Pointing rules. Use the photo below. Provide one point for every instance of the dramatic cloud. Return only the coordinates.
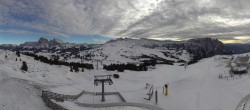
(228, 20)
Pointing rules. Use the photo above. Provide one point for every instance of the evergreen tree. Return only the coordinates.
(36, 57)
(24, 66)
(71, 69)
(76, 68)
(18, 53)
(82, 69)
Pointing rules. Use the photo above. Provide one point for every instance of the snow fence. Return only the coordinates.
(47, 96)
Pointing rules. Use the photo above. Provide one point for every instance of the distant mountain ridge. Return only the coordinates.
(237, 48)
(125, 50)
(208, 45)
(45, 44)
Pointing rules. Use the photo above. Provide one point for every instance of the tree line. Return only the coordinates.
(122, 67)
(55, 61)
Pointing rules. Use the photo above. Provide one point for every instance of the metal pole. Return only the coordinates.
(97, 66)
(103, 98)
(163, 90)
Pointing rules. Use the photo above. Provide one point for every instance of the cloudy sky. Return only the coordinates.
(96, 21)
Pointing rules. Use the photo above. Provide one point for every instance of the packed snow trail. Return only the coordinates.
(242, 103)
(207, 85)
(203, 81)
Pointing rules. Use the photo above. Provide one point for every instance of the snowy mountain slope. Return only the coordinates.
(138, 50)
(15, 93)
(196, 88)
(126, 50)
(123, 51)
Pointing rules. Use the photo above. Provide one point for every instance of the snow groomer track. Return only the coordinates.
(242, 104)
(47, 96)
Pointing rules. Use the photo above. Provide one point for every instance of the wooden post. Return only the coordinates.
(185, 65)
(42, 94)
(156, 97)
(166, 89)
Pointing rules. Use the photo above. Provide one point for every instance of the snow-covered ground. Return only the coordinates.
(196, 88)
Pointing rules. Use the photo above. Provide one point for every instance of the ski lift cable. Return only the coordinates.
(115, 87)
(75, 87)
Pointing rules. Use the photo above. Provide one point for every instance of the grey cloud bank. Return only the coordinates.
(228, 20)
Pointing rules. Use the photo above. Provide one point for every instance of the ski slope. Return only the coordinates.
(196, 88)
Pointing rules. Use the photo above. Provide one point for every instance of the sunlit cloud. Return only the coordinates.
(232, 41)
(238, 39)
(242, 37)
(229, 21)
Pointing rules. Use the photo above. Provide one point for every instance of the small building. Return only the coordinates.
(243, 61)
(240, 65)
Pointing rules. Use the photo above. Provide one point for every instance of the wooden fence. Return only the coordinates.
(47, 96)
(112, 93)
(52, 104)
(150, 93)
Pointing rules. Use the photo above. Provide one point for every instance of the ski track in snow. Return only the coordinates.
(203, 80)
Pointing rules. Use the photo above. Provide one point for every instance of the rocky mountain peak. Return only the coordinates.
(57, 42)
(209, 44)
(43, 42)
(42, 39)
